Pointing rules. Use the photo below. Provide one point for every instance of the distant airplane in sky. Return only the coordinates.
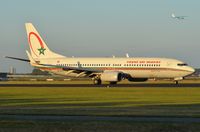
(112, 69)
(178, 17)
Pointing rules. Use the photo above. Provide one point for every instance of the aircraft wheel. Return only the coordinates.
(97, 81)
(176, 82)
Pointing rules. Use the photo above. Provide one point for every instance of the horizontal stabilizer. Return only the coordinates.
(15, 58)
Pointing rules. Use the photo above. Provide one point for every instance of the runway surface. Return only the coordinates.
(105, 85)
(99, 118)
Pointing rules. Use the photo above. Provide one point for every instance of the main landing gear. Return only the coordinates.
(97, 81)
(176, 82)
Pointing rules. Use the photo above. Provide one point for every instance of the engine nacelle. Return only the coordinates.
(137, 79)
(111, 76)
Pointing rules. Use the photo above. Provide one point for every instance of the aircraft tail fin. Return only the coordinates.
(37, 45)
(173, 15)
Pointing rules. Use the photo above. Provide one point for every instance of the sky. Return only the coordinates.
(101, 28)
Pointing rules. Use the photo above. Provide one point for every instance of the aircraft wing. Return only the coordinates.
(79, 70)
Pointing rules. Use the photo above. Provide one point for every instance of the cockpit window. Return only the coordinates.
(182, 64)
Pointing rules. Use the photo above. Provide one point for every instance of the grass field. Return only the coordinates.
(101, 101)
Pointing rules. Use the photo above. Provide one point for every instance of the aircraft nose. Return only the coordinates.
(192, 70)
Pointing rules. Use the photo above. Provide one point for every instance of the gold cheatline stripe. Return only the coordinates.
(103, 68)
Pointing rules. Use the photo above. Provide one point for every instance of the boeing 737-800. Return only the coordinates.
(110, 69)
(178, 17)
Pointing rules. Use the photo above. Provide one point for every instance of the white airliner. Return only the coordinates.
(110, 69)
(178, 17)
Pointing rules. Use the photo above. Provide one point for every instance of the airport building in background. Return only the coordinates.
(12, 70)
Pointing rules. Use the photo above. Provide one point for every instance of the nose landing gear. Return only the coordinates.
(176, 82)
(177, 79)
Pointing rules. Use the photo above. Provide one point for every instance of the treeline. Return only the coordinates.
(39, 72)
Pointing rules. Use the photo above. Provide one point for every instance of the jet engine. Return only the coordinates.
(111, 76)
